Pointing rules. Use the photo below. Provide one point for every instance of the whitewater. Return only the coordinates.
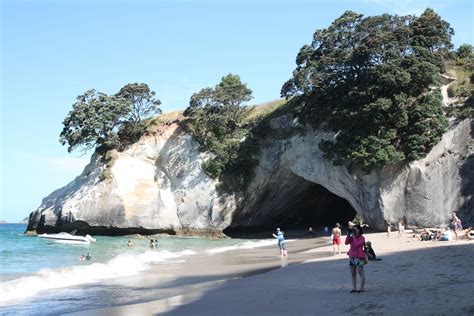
(31, 266)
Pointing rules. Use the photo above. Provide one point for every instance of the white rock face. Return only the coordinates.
(424, 192)
(157, 185)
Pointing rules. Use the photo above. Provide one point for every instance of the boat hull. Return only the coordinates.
(65, 238)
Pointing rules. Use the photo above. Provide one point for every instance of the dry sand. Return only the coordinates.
(414, 277)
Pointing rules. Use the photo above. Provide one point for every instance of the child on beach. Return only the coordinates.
(356, 256)
(336, 238)
(281, 241)
(446, 235)
(369, 251)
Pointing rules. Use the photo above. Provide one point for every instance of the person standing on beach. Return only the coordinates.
(336, 238)
(401, 228)
(389, 229)
(281, 241)
(456, 225)
(356, 257)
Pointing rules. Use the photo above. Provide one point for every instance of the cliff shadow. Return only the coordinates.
(403, 282)
(293, 204)
(466, 172)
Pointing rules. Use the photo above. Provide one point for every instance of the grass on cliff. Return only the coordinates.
(255, 112)
(463, 88)
(163, 119)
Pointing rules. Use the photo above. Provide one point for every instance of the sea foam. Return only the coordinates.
(120, 266)
(244, 245)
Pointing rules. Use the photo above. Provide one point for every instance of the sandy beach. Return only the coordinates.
(414, 277)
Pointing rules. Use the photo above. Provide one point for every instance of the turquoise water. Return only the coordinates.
(29, 265)
(22, 254)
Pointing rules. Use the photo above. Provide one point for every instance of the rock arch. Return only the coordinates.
(423, 192)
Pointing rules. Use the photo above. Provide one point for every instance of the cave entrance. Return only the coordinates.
(294, 203)
(315, 206)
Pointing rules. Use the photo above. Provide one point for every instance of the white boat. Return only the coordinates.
(67, 238)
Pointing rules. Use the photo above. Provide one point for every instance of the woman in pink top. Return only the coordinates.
(356, 256)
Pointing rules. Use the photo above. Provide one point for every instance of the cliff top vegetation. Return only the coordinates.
(372, 81)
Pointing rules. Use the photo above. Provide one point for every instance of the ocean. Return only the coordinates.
(37, 274)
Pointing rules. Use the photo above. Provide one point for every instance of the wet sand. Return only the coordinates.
(414, 277)
(176, 283)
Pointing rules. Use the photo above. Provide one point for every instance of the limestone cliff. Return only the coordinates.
(294, 183)
(157, 185)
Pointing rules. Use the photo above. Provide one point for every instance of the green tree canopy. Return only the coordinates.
(142, 100)
(217, 112)
(93, 121)
(369, 79)
(465, 51)
(214, 117)
(108, 121)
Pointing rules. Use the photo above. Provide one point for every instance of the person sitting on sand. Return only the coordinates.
(447, 235)
(356, 256)
(336, 238)
(369, 251)
(469, 233)
(281, 240)
(426, 235)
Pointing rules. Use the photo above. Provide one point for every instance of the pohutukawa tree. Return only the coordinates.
(142, 100)
(371, 80)
(214, 117)
(102, 121)
(217, 112)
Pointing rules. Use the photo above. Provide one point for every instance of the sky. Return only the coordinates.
(52, 51)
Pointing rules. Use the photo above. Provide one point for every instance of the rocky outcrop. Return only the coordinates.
(424, 192)
(158, 186)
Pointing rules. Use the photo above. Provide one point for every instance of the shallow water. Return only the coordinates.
(41, 275)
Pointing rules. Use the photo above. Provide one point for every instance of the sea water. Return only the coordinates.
(30, 265)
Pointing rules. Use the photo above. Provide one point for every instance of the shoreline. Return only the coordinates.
(414, 276)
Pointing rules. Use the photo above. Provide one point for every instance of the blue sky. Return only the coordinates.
(52, 51)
